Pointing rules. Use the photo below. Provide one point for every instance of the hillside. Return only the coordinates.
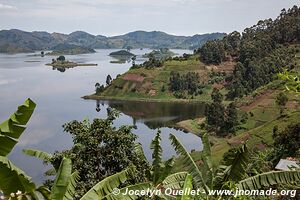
(242, 68)
(153, 84)
(31, 41)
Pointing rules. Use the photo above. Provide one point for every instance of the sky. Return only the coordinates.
(116, 17)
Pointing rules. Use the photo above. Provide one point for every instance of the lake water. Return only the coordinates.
(57, 95)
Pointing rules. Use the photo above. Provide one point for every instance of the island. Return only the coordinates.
(161, 54)
(121, 53)
(61, 62)
(122, 56)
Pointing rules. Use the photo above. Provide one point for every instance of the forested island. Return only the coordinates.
(61, 62)
(248, 84)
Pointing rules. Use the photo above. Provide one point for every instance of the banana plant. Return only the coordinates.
(234, 170)
(12, 179)
(15, 183)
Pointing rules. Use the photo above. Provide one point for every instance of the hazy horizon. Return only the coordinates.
(118, 17)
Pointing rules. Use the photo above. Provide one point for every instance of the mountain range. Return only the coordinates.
(15, 41)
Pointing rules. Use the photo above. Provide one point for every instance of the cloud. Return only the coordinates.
(4, 7)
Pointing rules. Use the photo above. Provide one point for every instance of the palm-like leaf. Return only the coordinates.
(175, 181)
(234, 168)
(122, 192)
(188, 186)
(38, 154)
(72, 186)
(62, 181)
(207, 167)
(139, 151)
(157, 157)
(268, 179)
(189, 163)
(106, 186)
(12, 128)
(12, 178)
(166, 169)
(45, 192)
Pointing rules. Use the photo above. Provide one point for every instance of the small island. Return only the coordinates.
(62, 62)
(122, 56)
(121, 53)
(161, 54)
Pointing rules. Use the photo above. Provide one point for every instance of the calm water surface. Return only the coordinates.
(58, 101)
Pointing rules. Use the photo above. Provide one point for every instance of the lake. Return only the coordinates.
(58, 97)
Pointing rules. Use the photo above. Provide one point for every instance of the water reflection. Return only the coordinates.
(58, 101)
(121, 59)
(156, 114)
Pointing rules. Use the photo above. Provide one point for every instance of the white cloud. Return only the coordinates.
(7, 7)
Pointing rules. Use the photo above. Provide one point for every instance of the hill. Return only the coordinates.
(70, 49)
(242, 67)
(22, 41)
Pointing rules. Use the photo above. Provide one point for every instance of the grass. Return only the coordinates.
(151, 88)
(258, 129)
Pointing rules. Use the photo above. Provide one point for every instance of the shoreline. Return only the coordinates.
(107, 98)
(71, 65)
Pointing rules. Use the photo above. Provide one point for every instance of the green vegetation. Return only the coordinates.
(154, 81)
(121, 53)
(161, 54)
(221, 120)
(61, 63)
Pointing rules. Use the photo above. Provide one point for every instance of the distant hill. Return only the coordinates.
(70, 49)
(12, 41)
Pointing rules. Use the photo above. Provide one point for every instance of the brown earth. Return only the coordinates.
(133, 77)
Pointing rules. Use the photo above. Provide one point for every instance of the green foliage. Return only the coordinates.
(261, 52)
(187, 83)
(12, 128)
(152, 62)
(62, 180)
(292, 82)
(269, 179)
(188, 185)
(61, 58)
(233, 166)
(190, 164)
(156, 156)
(38, 154)
(212, 52)
(220, 119)
(13, 179)
(287, 142)
(101, 150)
(105, 188)
(281, 100)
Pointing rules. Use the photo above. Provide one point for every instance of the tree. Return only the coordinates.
(61, 58)
(212, 52)
(99, 88)
(108, 80)
(287, 142)
(133, 60)
(101, 150)
(216, 96)
(281, 100)
(214, 112)
(231, 118)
